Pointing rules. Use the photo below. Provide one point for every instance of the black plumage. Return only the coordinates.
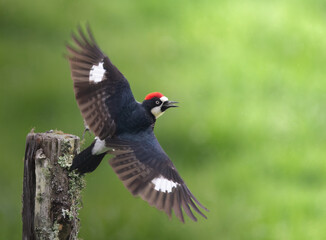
(86, 161)
(125, 127)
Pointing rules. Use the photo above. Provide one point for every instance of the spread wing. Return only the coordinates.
(146, 170)
(100, 88)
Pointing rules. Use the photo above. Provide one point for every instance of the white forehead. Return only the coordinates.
(164, 99)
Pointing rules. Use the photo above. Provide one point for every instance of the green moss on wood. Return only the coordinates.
(76, 183)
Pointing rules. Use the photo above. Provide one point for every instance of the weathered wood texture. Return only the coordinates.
(51, 193)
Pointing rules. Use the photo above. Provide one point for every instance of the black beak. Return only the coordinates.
(168, 104)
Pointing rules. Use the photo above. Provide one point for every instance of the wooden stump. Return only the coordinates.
(51, 193)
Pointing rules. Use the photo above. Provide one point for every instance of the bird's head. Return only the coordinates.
(157, 103)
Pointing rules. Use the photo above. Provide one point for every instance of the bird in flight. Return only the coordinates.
(124, 128)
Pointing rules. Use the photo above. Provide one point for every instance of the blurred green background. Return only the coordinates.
(249, 138)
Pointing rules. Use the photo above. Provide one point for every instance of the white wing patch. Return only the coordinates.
(164, 185)
(96, 73)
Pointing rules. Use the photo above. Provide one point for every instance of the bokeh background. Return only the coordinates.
(249, 138)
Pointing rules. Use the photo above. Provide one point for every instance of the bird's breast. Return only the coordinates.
(133, 120)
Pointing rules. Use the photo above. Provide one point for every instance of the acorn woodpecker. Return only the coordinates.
(124, 128)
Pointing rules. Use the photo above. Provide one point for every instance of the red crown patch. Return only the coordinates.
(154, 94)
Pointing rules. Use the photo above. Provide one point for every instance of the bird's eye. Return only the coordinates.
(157, 102)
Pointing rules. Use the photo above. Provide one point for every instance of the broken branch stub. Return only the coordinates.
(51, 193)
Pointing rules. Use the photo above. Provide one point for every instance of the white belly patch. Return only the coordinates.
(99, 147)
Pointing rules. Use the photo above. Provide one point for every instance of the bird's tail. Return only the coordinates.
(85, 161)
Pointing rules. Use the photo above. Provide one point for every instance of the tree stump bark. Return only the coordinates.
(51, 193)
